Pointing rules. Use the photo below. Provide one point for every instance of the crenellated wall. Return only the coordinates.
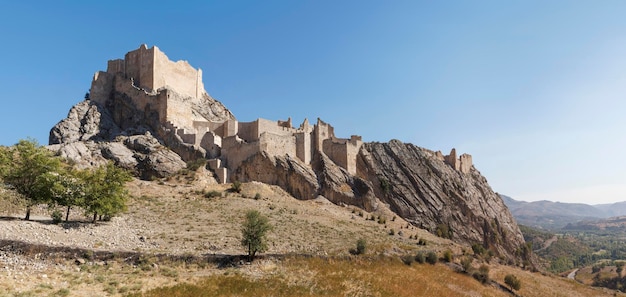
(462, 164)
(155, 84)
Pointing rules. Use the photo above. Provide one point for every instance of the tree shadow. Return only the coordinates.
(71, 224)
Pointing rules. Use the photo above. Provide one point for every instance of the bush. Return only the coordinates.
(447, 256)
(236, 186)
(57, 217)
(421, 241)
(513, 282)
(361, 246)
(213, 194)
(478, 249)
(257, 196)
(195, 164)
(392, 232)
(431, 258)
(407, 259)
(382, 220)
(466, 263)
(482, 275)
(444, 231)
(420, 258)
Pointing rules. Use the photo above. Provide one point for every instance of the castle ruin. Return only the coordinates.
(157, 85)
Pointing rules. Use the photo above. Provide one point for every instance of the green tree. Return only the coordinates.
(254, 231)
(105, 194)
(513, 282)
(28, 162)
(65, 189)
(4, 161)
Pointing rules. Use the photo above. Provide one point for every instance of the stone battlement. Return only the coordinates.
(173, 91)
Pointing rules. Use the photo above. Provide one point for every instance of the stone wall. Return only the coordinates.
(151, 69)
(343, 151)
(465, 161)
(278, 145)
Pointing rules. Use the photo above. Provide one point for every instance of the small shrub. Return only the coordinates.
(482, 275)
(236, 186)
(466, 263)
(360, 213)
(361, 246)
(447, 256)
(382, 220)
(444, 231)
(61, 293)
(391, 232)
(212, 194)
(513, 282)
(421, 241)
(478, 249)
(431, 258)
(257, 196)
(393, 219)
(407, 259)
(385, 185)
(420, 258)
(57, 217)
(195, 164)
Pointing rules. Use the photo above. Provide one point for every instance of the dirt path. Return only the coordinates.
(572, 275)
(548, 243)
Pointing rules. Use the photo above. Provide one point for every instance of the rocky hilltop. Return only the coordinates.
(153, 116)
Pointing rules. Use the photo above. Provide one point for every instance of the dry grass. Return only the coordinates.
(347, 277)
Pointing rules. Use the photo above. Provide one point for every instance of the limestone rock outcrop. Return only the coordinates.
(431, 194)
(286, 172)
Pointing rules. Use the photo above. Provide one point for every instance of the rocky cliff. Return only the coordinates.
(422, 188)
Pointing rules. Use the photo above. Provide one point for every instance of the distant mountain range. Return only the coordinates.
(556, 215)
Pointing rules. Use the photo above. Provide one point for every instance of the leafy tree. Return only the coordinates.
(28, 162)
(513, 282)
(4, 161)
(254, 231)
(66, 189)
(105, 194)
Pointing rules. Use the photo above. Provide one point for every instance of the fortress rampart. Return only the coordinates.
(155, 84)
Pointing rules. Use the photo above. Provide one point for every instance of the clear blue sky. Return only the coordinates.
(534, 90)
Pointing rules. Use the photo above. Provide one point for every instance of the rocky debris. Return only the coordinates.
(429, 193)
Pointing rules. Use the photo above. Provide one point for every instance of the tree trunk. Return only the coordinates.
(67, 214)
(27, 213)
(95, 216)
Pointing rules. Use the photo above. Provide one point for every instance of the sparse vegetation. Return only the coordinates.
(444, 231)
(420, 257)
(482, 275)
(235, 187)
(431, 258)
(447, 256)
(212, 194)
(361, 247)
(513, 282)
(196, 164)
